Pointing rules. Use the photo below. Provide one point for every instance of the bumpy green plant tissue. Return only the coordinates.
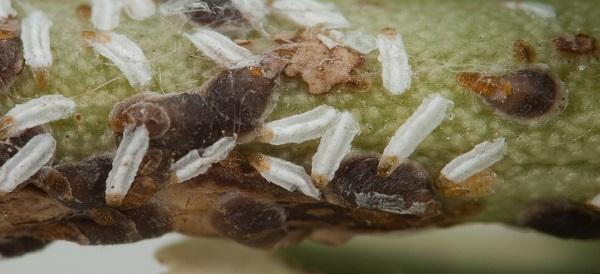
(557, 159)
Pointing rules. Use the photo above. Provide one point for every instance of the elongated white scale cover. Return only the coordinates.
(177, 7)
(481, 157)
(27, 162)
(299, 128)
(126, 163)
(285, 174)
(35, 112)
(126, 55)
(395, 69)
(334, 145)
(35, 34)
(193, 165)
(427, 118)
(221, 49)
(254, 11)
(327, 41)
(140, 9)
(356, 40)
(6, 9)
(539, 9)
(106, 14)
(311, 13)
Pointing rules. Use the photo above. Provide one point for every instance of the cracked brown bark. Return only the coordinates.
(233, 202)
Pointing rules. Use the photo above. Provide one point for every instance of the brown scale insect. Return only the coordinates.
(233, 103)
(524, 52)
(526, 95)
(19, 246)
(248, 221)
(407, 191)
(216, 13)
(11, 57)
(78, 185)
(563, 219)
(581, 44)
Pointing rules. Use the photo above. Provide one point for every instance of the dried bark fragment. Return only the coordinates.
(407, 191)
(320, 67)
(523, 52)
(579, 45)
(103, 226)
(563, 219)
(528, 95)
(11, 57)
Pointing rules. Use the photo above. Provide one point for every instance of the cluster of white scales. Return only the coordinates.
(335, 129)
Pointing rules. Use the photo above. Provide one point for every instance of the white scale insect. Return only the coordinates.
(106, 14)
(336, 130)
(427, 118)
(356, 40)
(140, 9)
(334, 145)
(254, 11)
(221, 49)
(6, 9)
(395, 69)
(27, 162)
(35, 35)
(481, 157)
(126, 163)
(40, 149)
(311, 13)
(284, 174)
(35, 112)
(193, 164)
(541, 10)
(299, 128)
(126, 55)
